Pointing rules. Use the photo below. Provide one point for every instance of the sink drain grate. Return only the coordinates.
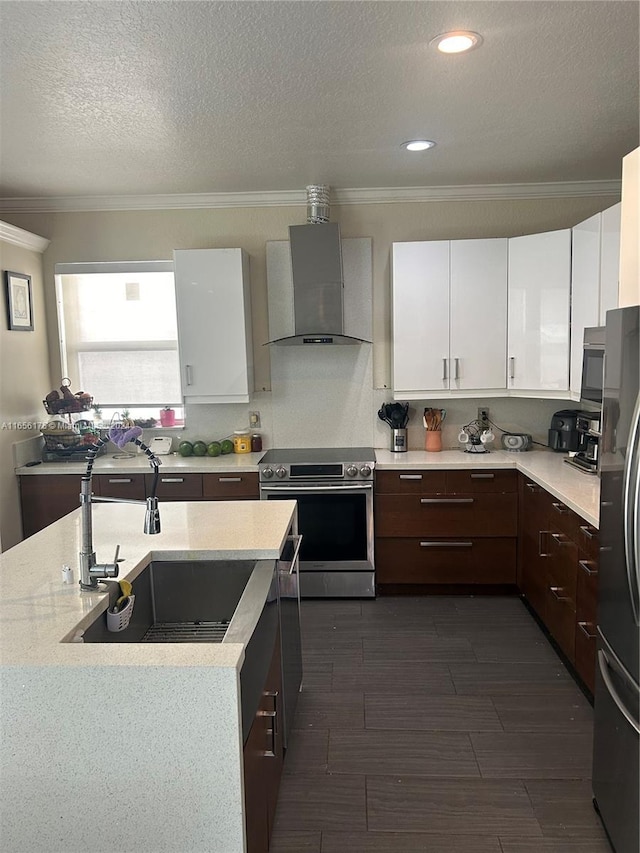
(186, 632)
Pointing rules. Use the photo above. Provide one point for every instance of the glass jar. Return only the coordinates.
(241, 441)
(256, 442)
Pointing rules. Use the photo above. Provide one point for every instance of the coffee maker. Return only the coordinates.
(563, 431)
(588, 426)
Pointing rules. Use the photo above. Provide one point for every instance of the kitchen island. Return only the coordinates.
(122, 746)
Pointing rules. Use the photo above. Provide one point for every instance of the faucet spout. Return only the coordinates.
(90, 570)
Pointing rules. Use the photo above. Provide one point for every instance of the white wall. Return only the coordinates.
(24, 378)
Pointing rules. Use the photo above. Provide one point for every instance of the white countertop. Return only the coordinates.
(38, 610)
(578, 490)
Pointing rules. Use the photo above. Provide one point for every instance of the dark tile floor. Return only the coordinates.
(435, 725)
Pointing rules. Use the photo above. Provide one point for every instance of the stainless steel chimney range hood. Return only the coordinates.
(317, 315)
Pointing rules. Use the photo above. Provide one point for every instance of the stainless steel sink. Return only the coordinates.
(179, 602)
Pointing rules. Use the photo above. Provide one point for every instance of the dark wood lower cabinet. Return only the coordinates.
(45, 499)
(263, 760)
(446, 561)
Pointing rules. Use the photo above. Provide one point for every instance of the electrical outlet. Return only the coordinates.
(254, 419)
(483, 417)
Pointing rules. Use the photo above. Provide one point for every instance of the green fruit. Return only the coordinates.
(214, 448)
(185, 448)
(227, 446)
(199, 448)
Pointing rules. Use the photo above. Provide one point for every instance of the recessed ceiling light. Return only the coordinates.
(457, 41)
(418, 144)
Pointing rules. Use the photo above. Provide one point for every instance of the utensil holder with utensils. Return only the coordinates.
(396, 415)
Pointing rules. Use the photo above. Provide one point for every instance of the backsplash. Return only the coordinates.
(323, 397)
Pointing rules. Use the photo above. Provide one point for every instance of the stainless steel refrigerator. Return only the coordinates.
(616, 766)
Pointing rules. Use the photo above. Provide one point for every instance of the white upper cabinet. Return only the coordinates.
(420, 316)
(449, 317)
(585, 291)
(595, 263)
(609, 261)
(478, 339)
(214, 325)
(538, 318)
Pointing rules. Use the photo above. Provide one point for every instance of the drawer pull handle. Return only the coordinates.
(541, 551)
(556, 590)
(584, 565)
(583, 628)
(482, 476)
(273, 716)
(446, 544)
(172, 479)
(561, 508)
(589, 532)
(533, 487)
(560, 539)
(121, 480)
(229, 479)
(410, 476)
(447, 500)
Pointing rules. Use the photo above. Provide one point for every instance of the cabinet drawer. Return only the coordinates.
(585, 653)
(410, 482)
(586, 590)
(230, 486)
(447, 561)
(473, 482)
(120, 486)
(565, 519)
(562, 567)
(443, 516)
(561, 621)
(589, 540)
(177, 487)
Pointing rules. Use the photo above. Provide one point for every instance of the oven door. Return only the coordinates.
(336, 524)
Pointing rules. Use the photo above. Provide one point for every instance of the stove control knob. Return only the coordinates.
(366, 470)
(267, 472)
(351, 470)
(281, 472)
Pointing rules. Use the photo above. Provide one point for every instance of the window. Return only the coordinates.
(119, 335)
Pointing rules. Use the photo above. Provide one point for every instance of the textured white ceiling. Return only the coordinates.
(203, 97)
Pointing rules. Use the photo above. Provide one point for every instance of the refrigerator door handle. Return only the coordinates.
(603, 663)
(631, 492)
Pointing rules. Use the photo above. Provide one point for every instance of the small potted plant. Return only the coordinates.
(167, 417)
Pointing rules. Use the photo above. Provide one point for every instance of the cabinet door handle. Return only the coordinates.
(556, 590)
(120, 480)
(447, 500)
(583, 628)
(188, 373)
(560, 539)
(584, 565)
(229, 479)
(446, 544)
(589, 532)
(561, 508)
(410, 476)
(456, 362)
(444, 369)
(172, 479)
(482, 476)
(512, 368)
(541, 552)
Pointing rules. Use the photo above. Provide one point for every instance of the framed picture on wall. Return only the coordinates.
(19, 302)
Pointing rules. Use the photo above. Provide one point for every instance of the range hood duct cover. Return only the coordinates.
(318, 282)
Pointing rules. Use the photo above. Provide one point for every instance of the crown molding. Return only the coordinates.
(22, 238)
(281, 198)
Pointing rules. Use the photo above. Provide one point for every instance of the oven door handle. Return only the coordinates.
(359, 487)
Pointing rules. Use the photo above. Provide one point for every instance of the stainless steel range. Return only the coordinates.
(334, 491)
